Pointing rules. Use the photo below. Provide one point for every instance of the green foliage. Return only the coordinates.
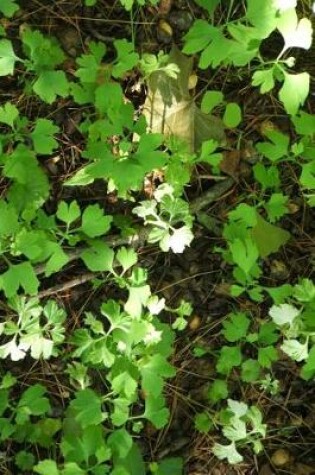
(114, 357)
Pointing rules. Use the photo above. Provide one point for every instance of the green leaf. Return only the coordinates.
(198, 37)
(294, 91)
(304, 123)
(7, 58)
(126, 258)
(264, 79)
(209, 5)
(9, 224)
(277, 147)
(230, 357)
(232, 115)
(8, 8)
(68, 213)
(126, 59)
(108, 97)
(156, 412)
(304, 291)
(262, 14)
(210, 100)
(46, 467)
(32, 403)
(267, 237)
(203, 422)
(90, 63)
(308, 370)
(133, 462)
(244, 253)
(79, 446)
(56, 261)
(120, 443)
(138, 297)
(94, 223)
(227, 451)
(99, 257)
(266, 356)
(296, 33)
(153, 373)
(235, 328)
(19, 275)
(24, 460)
(43, 136)
(268, 177)
(8, 114)
(87, 406)
(250, 371)
(218, 390)
(276, 206)
(72, 468)
(51, 84)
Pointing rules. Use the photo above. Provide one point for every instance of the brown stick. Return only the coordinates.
(207, 198)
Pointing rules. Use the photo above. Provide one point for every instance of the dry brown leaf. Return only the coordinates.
(170, 109)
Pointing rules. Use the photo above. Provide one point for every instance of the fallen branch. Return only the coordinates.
(216, 192)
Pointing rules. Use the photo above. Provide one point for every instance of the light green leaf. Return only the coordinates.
(126, 59)
(276, 206)
(244, 254)
(296, 350)
(230, 356)
(250, 371)
(68, 213)
(88, 408)
(264, 79)
(228, 452)
(50, 84)
(138, 297)
(203, 422)
(235, 328)
(94, 222)
(296, 33)
(8, 114)
(120, 442)
(19, 275)
(46, 467)
(126, 258)
(232, 115)
(99, 257)
(308, 370)
(210, 100)
(277, 147)
(7, 58)
(156, 412)
(284, 314)
(198, 37)
(267, 355)
(8, 7)
(218, 390)
(43, 136)
(294, 91)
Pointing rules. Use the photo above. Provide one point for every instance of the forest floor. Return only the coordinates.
(200, 275)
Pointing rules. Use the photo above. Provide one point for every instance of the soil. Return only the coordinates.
(199, 275)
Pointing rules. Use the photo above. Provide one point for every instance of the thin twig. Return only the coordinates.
(207, 198)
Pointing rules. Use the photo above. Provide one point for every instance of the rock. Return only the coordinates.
(281, 457)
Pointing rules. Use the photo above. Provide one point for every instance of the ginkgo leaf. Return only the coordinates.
(296, 33)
